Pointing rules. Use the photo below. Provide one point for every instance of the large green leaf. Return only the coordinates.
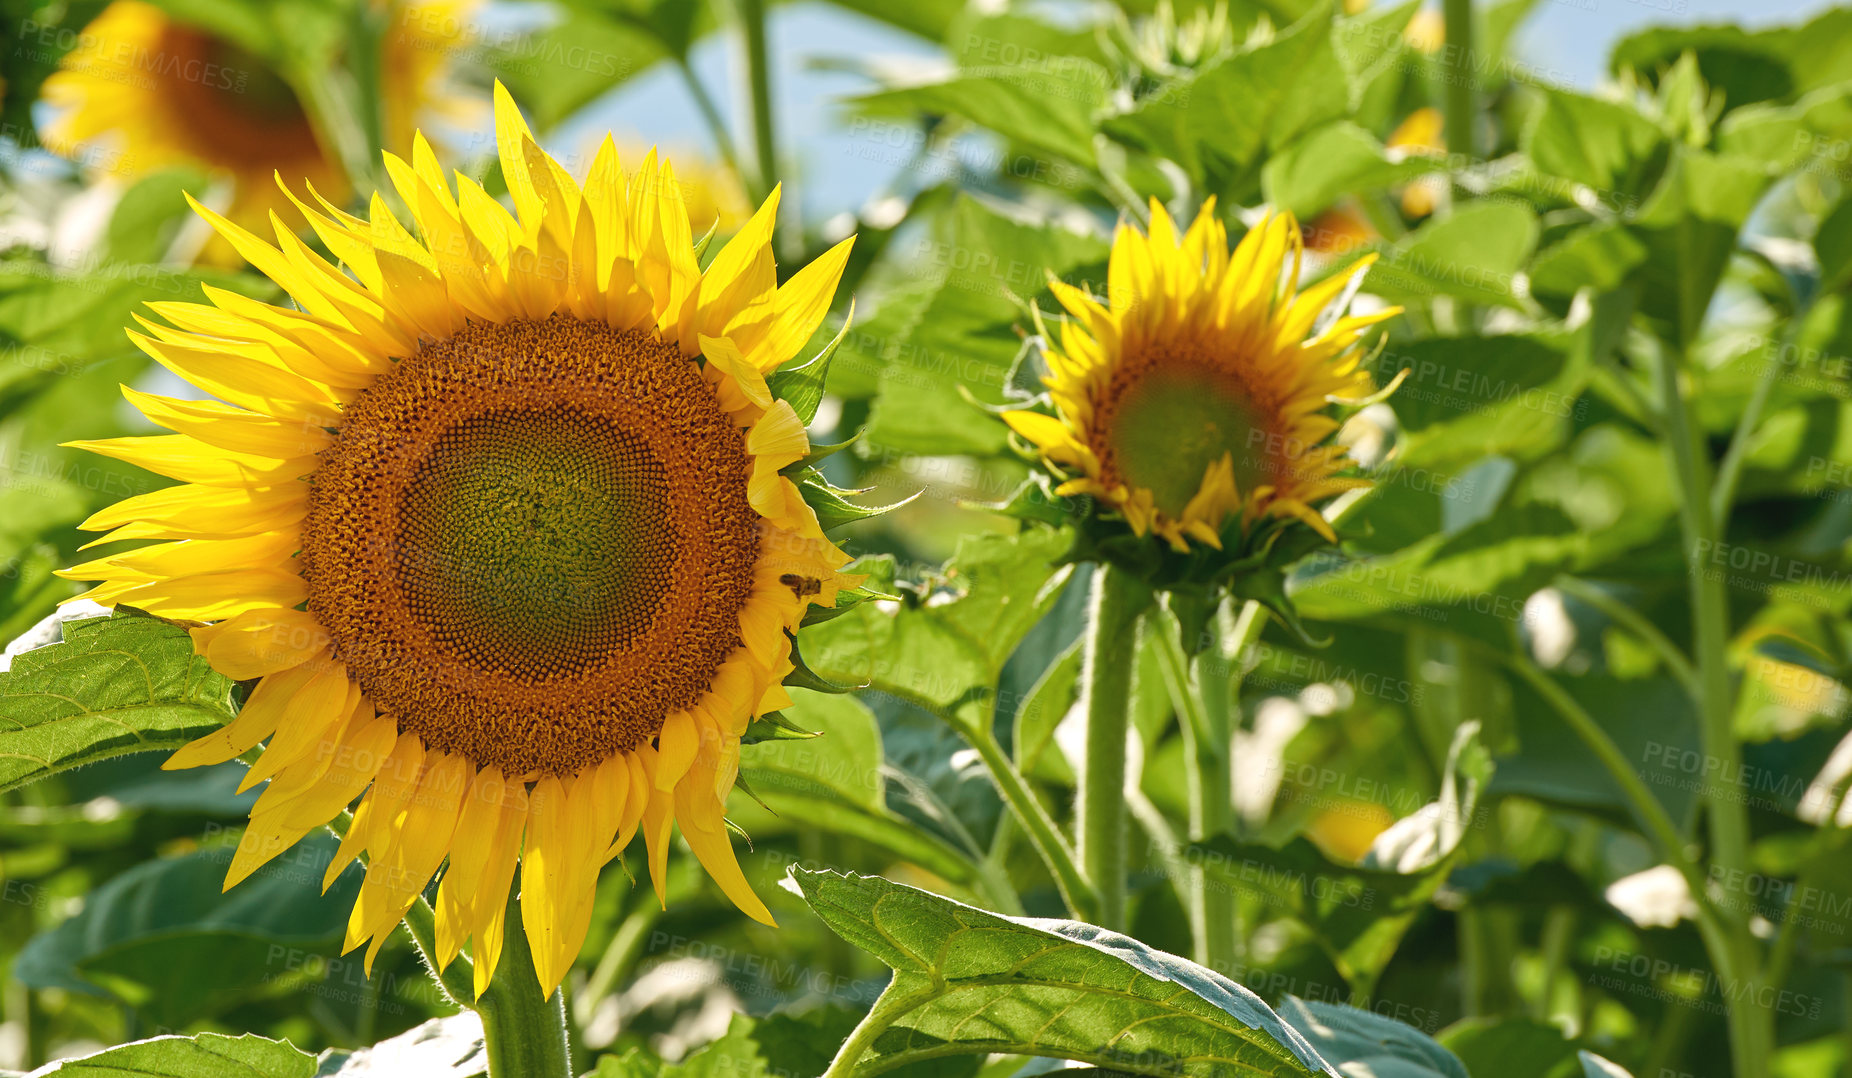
(1475, 253)
(1359, 914)
(121, 684)
(833, 782)
(1511, 1047)
(558, 69)
(1473, 582)
(1365, 1044)
(167, 939)
(946, 653)
(1220, 124)
(1689, 225)
(967, 981)
(1605, 145)
(203, 1055)
(1467, 397)
(1333, 161)
(984, 268)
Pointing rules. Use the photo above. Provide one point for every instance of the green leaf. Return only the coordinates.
(1510, 1047)
(203, 1055)
(166, 939)
(1048, 702)
(1220, 124)
(946, 654)
(1467, 397)
(555, 71)
(1605, 145)
(122, 684)
(1357, 915)
(1335, 160)
(802, 387)
(832, 509)
(149, 214)
(1597, 256)
(1776, 64)
(833, 782)
(1689, 224)
(1833, 243)
(956, 336)
(967, 981)
(1594, 1066)
(1366, 1043)
(1809, 134)
(843, 760)
(1475, 253)
(1473, 582)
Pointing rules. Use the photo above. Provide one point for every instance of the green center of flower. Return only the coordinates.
(532, 540)
(1177, 419)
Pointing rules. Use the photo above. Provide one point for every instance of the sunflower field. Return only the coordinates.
(945, 539)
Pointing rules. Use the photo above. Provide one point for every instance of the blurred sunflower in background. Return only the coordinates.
(1195, 397)
(169, 94)
(711, 190)
(500, 524)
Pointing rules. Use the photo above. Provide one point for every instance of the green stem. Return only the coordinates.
(1723, 492)
(1458, 17)
(1734, 951)
(1730, 947)
(716, 124)
(1111, 647)
(1636, 623)
(1729, 822)
(456, 978)
(524, 1034)
(1209, 744)
(620, 956)
(759, 85)
(1647, 811)
(887, 1008)
(1076, 893)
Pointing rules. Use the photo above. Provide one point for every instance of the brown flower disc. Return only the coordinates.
(531, 542)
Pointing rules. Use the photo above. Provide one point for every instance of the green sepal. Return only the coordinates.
(832, 509)
(773, 726)
(701, 245)
(818, 454)
(1029, 371)
(740, 784)
(880, 572)
(802, 387)
(803, 677)
(1035, 500)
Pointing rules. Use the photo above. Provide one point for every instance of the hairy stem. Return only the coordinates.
(524, 1033)
(1111, 647)
(1076, 893)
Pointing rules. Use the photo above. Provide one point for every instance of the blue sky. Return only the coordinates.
(1569, 38)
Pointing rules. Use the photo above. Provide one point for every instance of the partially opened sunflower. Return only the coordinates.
(1194, 401)
(499, 526)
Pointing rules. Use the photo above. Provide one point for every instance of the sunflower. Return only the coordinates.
(1194, 396)
(174, 94)
(499, 525)
(1420, 134)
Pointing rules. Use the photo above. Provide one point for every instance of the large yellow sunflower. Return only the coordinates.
(169, 93)
(498, 522)
(1198, 391)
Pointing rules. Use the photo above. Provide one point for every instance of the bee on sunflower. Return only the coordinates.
(506, 523)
